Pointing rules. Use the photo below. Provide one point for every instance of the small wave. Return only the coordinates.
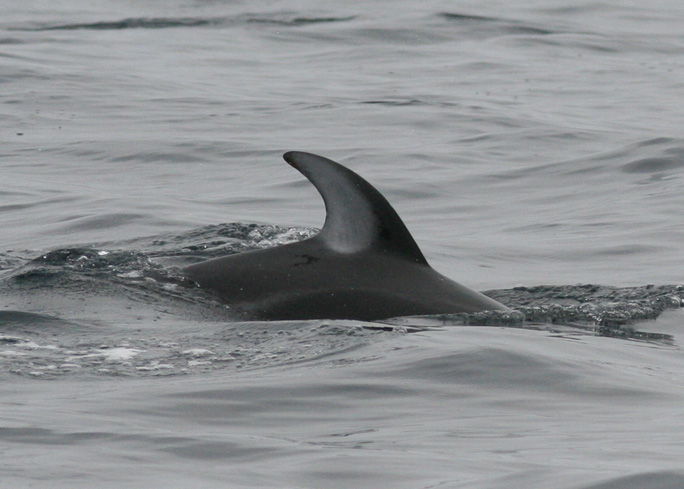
(132, 23)
(653, 160)
(230, 238)
(655, 165)
(594, 309)
(84, 259)
(170, 22)
(9, 41)
(496, 27)
(395, 103)
(292, 21)
(9, 319)
(8, 262)
(214, 347)
(651, 480)
(604, 310)
(466, 17)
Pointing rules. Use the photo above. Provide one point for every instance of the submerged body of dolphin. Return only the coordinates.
(363, 264)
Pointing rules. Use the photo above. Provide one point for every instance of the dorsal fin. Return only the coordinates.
(358, 217)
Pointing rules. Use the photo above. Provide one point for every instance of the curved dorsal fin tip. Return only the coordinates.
(291, 157)
(358, 217)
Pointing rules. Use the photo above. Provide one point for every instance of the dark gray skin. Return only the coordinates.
(363, 264)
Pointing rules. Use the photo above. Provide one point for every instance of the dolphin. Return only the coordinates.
(363, 264)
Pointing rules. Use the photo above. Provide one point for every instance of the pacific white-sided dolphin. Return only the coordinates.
(363, 264)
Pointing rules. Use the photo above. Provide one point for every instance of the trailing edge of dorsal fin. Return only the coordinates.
(358, 217)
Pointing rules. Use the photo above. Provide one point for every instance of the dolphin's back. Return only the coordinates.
(364, 264)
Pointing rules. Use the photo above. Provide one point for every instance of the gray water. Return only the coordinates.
(534, 150)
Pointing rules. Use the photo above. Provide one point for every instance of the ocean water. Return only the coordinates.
(535, 151)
